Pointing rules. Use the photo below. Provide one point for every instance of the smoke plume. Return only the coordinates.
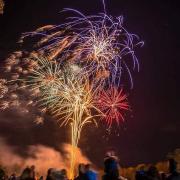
(41, 156)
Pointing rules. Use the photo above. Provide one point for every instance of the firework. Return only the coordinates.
(45, 78)
(112, 103)
(74, 105)
(102, 46)
(15, 91)
(52, 43)
(73, 94)
(99, 44)
(74, 73)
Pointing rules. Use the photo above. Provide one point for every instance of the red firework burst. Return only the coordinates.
(113, 103)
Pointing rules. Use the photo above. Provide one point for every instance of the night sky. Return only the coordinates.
(153, 127)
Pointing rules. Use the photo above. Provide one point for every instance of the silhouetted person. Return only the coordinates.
(6, 177)
(141, 175)
(152, 173)
(163, 176)
(90, 174)
(2, 173)
(81, 172)
(111, 168)
(13, 177)
(32, 172)
(26, 174)
(64, 174)
(41, 178)
(173, 174)
(49, 174)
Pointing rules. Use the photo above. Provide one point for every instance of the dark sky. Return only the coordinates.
(154, 128)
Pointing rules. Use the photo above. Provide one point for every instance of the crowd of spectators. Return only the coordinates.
(85, 172)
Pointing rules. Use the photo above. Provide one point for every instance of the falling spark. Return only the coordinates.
(39, 120)
(4, 105)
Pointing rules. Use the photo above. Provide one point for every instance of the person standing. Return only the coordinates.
(111, 167)
(90, 174)
(173, 174)
(81, 171)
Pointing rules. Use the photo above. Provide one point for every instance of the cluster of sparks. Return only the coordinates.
(98, 44)
(14, 92)
(75, 72)
(112, 102)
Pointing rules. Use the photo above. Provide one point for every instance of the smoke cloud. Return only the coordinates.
(41, 156)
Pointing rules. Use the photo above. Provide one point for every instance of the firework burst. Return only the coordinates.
(99, 44)
(45, 76)
(44, 80)
(112, 103)
(73, 96)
